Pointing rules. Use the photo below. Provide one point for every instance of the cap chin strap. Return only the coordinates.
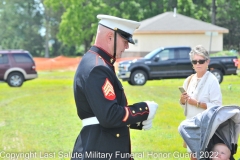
(115, 43)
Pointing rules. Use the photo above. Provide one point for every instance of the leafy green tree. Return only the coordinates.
(51, 22)
(20, 25)
(78, 25)
(80, 16)
(228, 16)
(71, 24)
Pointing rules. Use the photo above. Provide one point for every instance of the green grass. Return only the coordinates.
(39, 119)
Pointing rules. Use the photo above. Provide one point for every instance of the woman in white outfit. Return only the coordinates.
(202, 89)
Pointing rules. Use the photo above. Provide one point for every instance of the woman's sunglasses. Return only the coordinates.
(200, 61)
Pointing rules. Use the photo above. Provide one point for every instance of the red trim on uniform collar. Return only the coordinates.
(106, 52)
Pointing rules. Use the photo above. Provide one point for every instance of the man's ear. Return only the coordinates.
(109, 37)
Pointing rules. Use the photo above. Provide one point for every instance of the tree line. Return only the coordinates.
(48, 28)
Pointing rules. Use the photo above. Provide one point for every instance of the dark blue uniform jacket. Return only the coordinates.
(99, 93)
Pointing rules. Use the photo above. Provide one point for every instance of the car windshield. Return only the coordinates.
(153, 53)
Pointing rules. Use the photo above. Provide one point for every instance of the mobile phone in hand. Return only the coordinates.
(182, 90)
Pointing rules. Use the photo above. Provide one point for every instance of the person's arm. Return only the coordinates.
(196, 103)
(101, 95)
(215, 94)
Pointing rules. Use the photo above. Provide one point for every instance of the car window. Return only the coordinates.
(153, 53)
(166, 55)
(3, 59)
(184, 53)
(21, 58)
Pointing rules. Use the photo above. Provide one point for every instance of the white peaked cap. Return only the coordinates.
(120, 25)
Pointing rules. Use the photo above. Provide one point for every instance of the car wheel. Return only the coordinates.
(15, 79)
(138, 77)
(129, 82)
(218, 74)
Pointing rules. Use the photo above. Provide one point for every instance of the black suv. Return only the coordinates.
(16, 66)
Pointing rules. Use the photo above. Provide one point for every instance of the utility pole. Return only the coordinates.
(46, 39)
(214, 11)
(47, 27)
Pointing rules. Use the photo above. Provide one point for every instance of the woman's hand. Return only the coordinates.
(192, 101)
(184, 97)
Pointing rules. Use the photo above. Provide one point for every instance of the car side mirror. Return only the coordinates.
(156, 59)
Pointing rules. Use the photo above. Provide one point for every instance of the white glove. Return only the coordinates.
(152, 109)
(147, 124)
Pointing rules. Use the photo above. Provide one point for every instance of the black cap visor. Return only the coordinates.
(125, 35)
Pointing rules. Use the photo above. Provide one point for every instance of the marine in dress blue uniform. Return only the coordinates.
(102, 105)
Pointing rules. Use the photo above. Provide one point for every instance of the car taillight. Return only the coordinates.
(33, 67)
(236, 62)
